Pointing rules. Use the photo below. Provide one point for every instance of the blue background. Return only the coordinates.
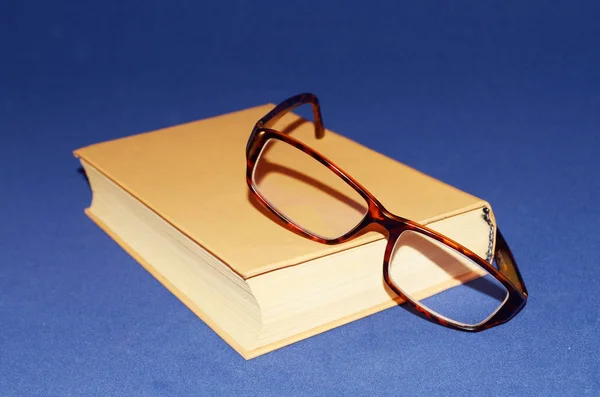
(501, 100)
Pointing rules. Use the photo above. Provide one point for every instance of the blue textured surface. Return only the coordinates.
(501, 100)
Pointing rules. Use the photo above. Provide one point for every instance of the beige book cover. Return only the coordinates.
(192, 178)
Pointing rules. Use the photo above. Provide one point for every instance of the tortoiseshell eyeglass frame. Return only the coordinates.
(507, 272)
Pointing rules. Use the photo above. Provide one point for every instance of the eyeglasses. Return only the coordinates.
(320, 201)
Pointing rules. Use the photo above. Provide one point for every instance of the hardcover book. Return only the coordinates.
(177, 201)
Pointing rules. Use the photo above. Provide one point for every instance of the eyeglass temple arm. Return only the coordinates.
(507, 265)
(290, 104)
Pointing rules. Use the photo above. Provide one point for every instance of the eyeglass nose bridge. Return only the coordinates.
(384, 218)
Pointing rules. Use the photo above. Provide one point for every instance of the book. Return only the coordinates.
(177, 201)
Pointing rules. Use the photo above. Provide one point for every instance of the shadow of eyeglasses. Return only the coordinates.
(266, 168)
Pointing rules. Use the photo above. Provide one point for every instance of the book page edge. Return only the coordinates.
(167, 284)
